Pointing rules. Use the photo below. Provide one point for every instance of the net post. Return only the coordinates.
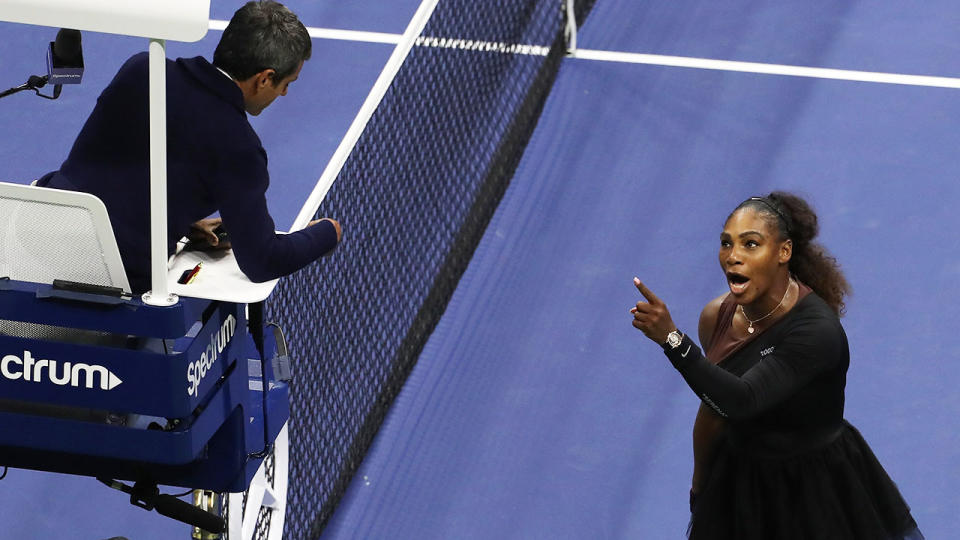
(571, 30)
(159, 294)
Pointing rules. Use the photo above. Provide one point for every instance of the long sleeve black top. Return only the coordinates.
(790, 379)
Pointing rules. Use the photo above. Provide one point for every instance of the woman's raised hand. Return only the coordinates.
(651, 317)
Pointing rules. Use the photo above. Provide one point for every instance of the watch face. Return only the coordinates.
(673, 339)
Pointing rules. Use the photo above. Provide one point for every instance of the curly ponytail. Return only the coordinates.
(811, 263)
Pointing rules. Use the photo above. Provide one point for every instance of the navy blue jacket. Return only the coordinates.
(215, 162)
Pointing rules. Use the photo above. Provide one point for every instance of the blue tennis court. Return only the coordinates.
(534, 409)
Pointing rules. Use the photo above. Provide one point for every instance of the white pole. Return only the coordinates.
(159, 295)
(414, 28)
(571, 28)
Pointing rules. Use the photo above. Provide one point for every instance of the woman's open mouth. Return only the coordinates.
(738, 282)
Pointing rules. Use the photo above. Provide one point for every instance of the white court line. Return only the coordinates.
(393, 39)
(648, 59)
(768, 69)
(333, 33)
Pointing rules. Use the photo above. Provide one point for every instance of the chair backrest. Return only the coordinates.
(48, 234)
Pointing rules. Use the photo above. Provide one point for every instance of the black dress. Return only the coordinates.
(789, 466)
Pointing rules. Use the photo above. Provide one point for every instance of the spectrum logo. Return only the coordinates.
(27, 368)
(197, 371)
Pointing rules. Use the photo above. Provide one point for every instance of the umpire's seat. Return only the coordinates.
(48, 234)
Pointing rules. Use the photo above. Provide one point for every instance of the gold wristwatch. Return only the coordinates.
(673, 339)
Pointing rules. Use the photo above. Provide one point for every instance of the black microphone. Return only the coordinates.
(146, 495)
(64, 66)
(182, 511)
(65, 58)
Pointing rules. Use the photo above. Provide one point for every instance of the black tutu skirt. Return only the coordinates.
(837, 490)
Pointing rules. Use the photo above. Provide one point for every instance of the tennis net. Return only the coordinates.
(415, 197)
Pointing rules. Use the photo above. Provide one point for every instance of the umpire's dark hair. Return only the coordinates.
(811, 263)
(262, 35)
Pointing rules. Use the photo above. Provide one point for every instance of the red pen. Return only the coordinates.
(189, 275)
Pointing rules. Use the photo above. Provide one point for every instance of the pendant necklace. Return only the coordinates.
(750, 328)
